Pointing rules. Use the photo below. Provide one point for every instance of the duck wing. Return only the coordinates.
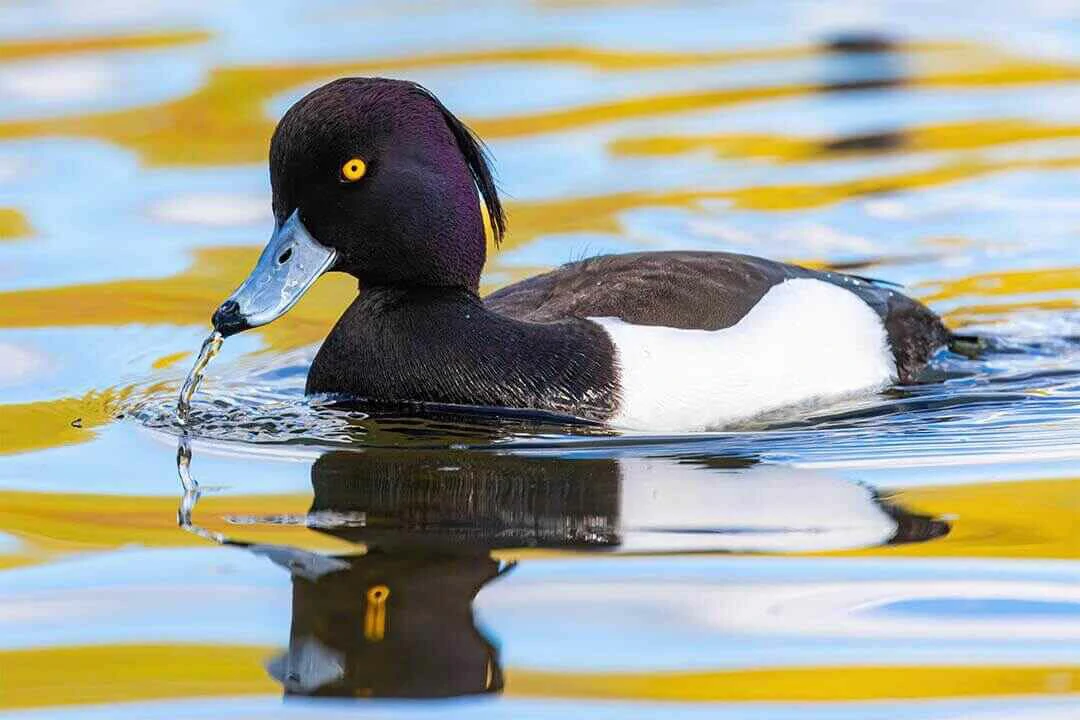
(689, 290)
(704, 291)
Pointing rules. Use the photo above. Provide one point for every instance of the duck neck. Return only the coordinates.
(442, 345)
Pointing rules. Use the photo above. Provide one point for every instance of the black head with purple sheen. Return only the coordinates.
(410, 215)
(414, 218)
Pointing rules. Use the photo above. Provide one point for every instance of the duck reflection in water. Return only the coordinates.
(390, 624)
(396, 619)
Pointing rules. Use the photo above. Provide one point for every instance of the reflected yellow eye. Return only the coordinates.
(353, 170)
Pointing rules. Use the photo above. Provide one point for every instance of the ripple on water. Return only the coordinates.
(1009, 395)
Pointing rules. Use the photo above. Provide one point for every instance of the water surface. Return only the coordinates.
(913, 555)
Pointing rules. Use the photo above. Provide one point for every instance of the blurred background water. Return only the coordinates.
(914, 556)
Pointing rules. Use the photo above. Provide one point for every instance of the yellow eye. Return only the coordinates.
(353, 170)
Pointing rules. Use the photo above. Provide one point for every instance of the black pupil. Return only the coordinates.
(284, 257)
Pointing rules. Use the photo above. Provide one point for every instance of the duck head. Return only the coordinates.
(375, 178)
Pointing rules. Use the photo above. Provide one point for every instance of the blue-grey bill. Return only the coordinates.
(290, 264)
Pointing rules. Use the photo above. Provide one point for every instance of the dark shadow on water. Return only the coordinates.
(858, 62)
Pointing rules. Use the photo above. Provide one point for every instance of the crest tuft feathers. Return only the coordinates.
(479, 161)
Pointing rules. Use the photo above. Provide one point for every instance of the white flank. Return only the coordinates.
(805, 341)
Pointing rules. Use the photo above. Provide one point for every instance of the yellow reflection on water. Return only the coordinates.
(52, 423)
(1027, 519)
(45, 677)
(167, 361)
(971, 135)
(1007, 283)
(600, 213)
(808, 684)
(50, 525)
(1024, 519)
(986, 313)
(1062, 285)
(225, 121)
(188, 298)
(13, 224)
(13, 49)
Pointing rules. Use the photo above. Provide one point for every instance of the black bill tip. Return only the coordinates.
(227, 319)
